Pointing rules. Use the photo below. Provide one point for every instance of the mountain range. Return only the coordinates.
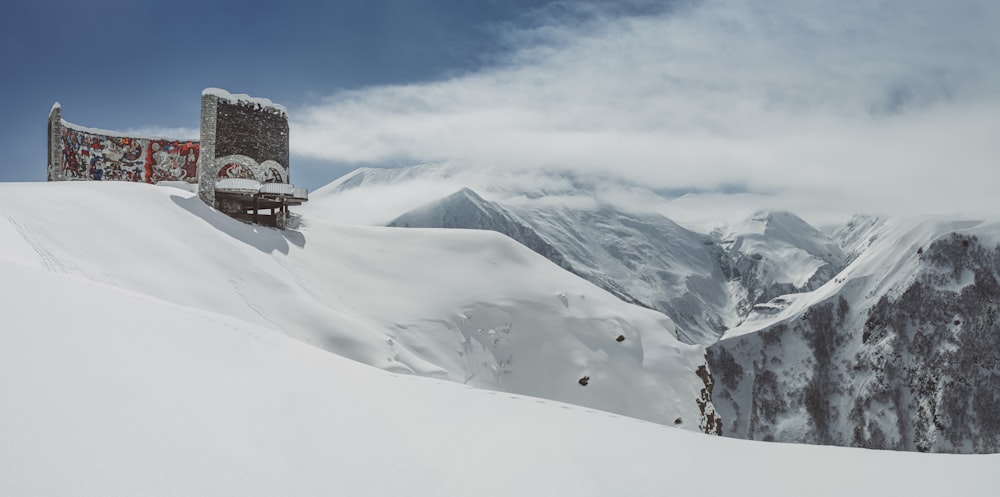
(879, 333)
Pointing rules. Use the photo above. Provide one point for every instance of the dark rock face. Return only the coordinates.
(919, 370)
(710, 422)
(935, 352)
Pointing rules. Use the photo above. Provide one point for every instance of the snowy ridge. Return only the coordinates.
(244, 98)
(787, 233)
(383, 176)
(885, 266)
(857, 235)
(603, 246)
(471, 307)
(609, 233)
(465, 209)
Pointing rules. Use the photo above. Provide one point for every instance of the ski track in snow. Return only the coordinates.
(239, 291)
(48, 260)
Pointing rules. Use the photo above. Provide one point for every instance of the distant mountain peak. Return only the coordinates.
(855, 236)
(774, 222)
(466, 209)
(470, 194)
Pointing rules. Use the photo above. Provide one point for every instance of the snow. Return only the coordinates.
(857, 234)
(390, 298)
(183, 185)
(277, 188)
(641, 256)
(152, 346)
(791, 250)
(124, 394)
(244, 98)
(884, 253)
(238, 185)
(119, 134)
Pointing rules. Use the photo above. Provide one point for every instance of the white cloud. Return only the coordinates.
(877, 106)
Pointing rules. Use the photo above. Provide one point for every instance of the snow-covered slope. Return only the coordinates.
(642, 259)
(856, 235)
(799, 362)
(775, 253)
(471, 307)
(607, 232)
(465, 209)
(107, 391)
(900, 350)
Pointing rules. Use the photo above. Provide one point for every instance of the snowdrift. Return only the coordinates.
(471, 307)
(110, 392)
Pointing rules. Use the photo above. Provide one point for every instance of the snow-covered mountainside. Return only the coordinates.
(465, 209)
(617, 251)
(107, 391)
(898, 350)
(775, 253)
(856, 235)
(801, 307)
(705, 282)
(901, 350)
(471, 307)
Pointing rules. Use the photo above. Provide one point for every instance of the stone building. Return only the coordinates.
(240, 164)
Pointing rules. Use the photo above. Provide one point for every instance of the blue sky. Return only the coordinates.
(877, 106)
(122, 65)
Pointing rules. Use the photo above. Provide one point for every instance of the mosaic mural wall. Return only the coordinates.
(87, 155)
(241, 137)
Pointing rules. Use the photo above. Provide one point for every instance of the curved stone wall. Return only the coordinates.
(79, 153)
(102, 157)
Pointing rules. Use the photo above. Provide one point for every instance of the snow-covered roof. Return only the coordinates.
(119, 134)
(238, 185)
(277, 188)
(244, 98)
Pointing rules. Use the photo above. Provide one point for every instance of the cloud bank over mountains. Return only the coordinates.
(820, 107)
